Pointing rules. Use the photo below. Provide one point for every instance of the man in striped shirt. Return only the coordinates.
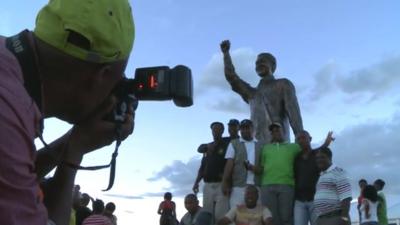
(97, 218)
(333, 193)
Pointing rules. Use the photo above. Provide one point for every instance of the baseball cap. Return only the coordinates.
(104, 28)
(246, 122)
(233, 122)
(270, 127)
(216, 123)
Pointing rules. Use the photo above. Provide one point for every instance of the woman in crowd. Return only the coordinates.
(369, 206)
(167, 210)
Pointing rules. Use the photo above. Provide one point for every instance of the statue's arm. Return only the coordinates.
(292, 106)
(238, 85)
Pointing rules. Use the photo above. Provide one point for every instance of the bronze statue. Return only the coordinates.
(272, 101)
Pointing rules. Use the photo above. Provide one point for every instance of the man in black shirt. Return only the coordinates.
(211, 171)
(233, 130)
(82, 212)
(306, 177)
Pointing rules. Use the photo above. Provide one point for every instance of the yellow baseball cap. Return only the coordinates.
(98, 31)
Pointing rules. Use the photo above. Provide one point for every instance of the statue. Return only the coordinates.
(272, 101)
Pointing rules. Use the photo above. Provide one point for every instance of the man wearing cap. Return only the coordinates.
(211, 171)
(273, 100)
(66, 69)
(277, 182)
(242, 164)
(233, 129)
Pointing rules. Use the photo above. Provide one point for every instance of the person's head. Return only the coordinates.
(98, 206)
(217, 129)
(85, 199)
(369, 192)
(265, 64)
(379, 184)
(110, 208)
(362, 183)
(233, 127)
(82, 48)
(324, 158)
(191, 203)
(303, 138)
(276, 132)
(246, 129)
(251, 196)
(168, 196)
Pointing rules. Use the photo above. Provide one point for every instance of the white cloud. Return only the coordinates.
(369, 84)
(213, 75)
(376, 79)
(232, 103)
(324, 81)
(180, 175)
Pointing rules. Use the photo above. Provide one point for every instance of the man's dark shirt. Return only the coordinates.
(213, 162)
(306, 175)
(81, 214)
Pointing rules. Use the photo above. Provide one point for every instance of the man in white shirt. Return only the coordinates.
(241, 168)
(249, 213)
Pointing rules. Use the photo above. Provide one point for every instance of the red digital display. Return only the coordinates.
(153, 82)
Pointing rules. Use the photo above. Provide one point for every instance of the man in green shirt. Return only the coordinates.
(277, 184)
(382, 212)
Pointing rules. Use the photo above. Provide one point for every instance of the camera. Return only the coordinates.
(153, 84)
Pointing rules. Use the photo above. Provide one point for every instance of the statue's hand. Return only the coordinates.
(225, 46)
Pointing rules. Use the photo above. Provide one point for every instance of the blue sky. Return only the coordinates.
(342, 56)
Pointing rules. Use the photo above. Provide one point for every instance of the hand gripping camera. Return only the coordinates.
(150, 84)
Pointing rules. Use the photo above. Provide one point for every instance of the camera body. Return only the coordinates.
(154, 84)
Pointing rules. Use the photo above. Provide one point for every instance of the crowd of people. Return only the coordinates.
(100, 214)
(246, 182)
(371, 204)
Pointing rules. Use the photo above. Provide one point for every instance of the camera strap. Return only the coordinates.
(112, 163)
(19, 46)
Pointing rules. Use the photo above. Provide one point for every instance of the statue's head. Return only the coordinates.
(265, 64)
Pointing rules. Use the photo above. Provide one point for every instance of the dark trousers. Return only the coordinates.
(279, 200)
(335, 220)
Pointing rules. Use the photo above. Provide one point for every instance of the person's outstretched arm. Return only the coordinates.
(328, 140)
(238, 85)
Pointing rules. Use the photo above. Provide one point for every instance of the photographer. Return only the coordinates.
(66, 69)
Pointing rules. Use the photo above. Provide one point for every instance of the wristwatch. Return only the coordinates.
(345, 218)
